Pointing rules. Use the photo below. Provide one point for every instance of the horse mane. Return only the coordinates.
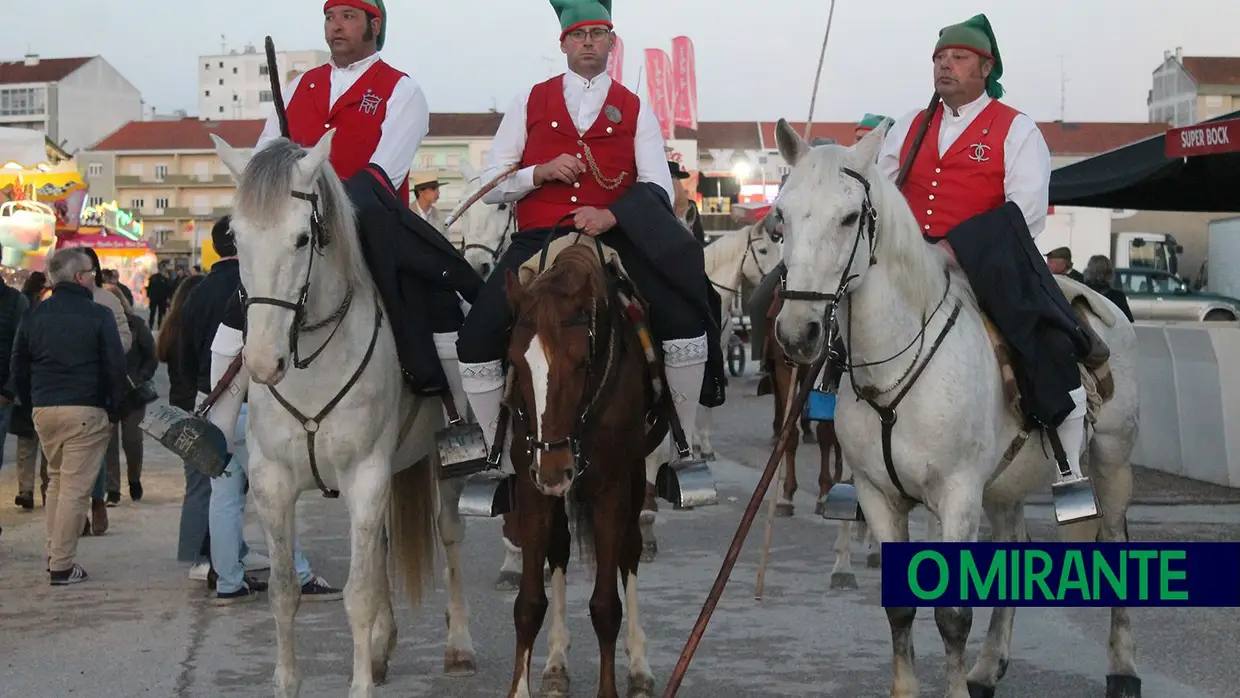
(266, 186)
(576, 274)
(717, 252)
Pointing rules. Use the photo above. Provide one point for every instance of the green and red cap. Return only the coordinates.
(374, 7)
(575, 14)
(975, 35)
(870, 122)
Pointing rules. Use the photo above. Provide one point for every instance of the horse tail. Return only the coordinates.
(413, 514)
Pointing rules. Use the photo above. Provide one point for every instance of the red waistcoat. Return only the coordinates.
(967, 179)
(550, 132)
(357, 116)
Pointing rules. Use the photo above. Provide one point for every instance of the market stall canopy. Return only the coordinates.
(1196, 168)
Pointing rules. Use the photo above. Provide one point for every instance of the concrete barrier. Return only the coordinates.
(1189, 381)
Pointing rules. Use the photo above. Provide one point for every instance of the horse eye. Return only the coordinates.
(303, 240)
(850, 219)
(762, 250)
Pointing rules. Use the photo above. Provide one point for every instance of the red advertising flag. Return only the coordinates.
(685, 111)
(659, 88)
(615, 62)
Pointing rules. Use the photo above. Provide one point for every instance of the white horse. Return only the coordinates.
(311, 295)
(744, 255)
(487, 229)
(953, 424)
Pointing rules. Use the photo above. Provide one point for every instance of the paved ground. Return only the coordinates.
(141, 628)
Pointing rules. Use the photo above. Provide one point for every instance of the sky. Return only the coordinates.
(1082, 60)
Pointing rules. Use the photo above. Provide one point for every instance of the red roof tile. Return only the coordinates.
(465, 125)
(183, 134)
(1092, 138)
(46, 70)
(1213, 70)
(729, 134)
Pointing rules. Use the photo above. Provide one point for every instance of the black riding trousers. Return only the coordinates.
(483, 337)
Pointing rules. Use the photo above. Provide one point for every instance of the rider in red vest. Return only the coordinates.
(592, 158)
(977, 155)
(380, 116)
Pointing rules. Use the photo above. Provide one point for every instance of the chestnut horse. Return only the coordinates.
(581, 386)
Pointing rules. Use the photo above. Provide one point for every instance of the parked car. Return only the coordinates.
(1159, 295)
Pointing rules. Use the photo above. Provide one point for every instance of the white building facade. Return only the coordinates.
(236, 86)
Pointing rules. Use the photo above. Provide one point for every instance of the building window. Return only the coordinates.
(161, 171)
(95, 169)
(206, 66)
(95, 201)
(454, 161)
(23, 101)
(234, 70)
(137, 204)
(427, 161)
(135, 169)
(208, 93)
(1214, 100)
(221, 64)
(262, 69)
(221, 81)
(265, 96)
(161, 203)
(234, 96)
(221, 110)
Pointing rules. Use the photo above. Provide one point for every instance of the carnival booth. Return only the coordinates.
(117, 238)
(37, 197)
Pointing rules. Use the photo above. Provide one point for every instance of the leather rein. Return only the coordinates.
(319, 240)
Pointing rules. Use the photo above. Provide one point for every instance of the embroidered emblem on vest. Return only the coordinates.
(613, 113)
(370, 102)
(979, 152)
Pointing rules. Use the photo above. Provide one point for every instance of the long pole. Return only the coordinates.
(760, 584)
(822, 57)
(738, 541)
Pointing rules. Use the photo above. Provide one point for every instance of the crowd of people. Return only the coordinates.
(74, 390)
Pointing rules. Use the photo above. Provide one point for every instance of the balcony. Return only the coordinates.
(174, 180)
(185, 213)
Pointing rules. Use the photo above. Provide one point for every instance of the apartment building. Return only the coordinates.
(168, 174)
(74, 101)
(236, 86)
(1187, 90)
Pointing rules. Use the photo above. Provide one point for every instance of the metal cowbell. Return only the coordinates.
(687, 484)
(487, 494)
(190, 436)
(841, 503)
(461, 445)
(1074, 501)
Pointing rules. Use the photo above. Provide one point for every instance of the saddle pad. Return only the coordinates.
(532, 268)
(1076, 291)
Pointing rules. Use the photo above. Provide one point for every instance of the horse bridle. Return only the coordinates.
(319, 239)
(867, 227)
(500, 246)
(775, 236)
(609, 354)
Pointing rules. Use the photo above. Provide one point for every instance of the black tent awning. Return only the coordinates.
(1143, 176)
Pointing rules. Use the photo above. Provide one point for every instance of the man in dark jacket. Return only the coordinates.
(68, 364)
(204, 307)
(13, 305)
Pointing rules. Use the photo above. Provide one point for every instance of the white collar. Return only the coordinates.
(969, 110)
(600, 80)
(356, 66)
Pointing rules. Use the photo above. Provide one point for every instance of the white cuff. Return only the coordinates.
(678, 353)
(228, 341)
(482, 378)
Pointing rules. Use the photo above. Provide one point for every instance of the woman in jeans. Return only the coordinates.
(141, 364)
(193, 543)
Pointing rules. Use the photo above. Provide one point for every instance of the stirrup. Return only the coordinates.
(1074, 500)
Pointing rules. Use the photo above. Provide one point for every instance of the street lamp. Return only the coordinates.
(741, 170)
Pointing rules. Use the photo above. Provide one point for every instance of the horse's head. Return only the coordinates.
(486, 227)
(827, 215)
(763, 253)
(289, 206)
(554, 351)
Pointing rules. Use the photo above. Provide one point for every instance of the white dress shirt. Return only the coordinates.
(1026, 157)
(584, 99)
(405, 124)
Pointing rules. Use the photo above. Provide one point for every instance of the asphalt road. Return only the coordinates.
(141, 628)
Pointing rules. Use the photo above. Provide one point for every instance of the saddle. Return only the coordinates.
(1095, 367)
(538, 263)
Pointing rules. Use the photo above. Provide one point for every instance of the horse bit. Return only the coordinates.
(319, 239)
(866, 227)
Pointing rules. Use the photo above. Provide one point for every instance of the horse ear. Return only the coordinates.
(232, 158)
(791, 146)
(869, 146)
(318, 155)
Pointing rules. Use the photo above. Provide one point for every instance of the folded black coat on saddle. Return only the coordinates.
(646, 217)
(1015, 289)
(417, 273)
